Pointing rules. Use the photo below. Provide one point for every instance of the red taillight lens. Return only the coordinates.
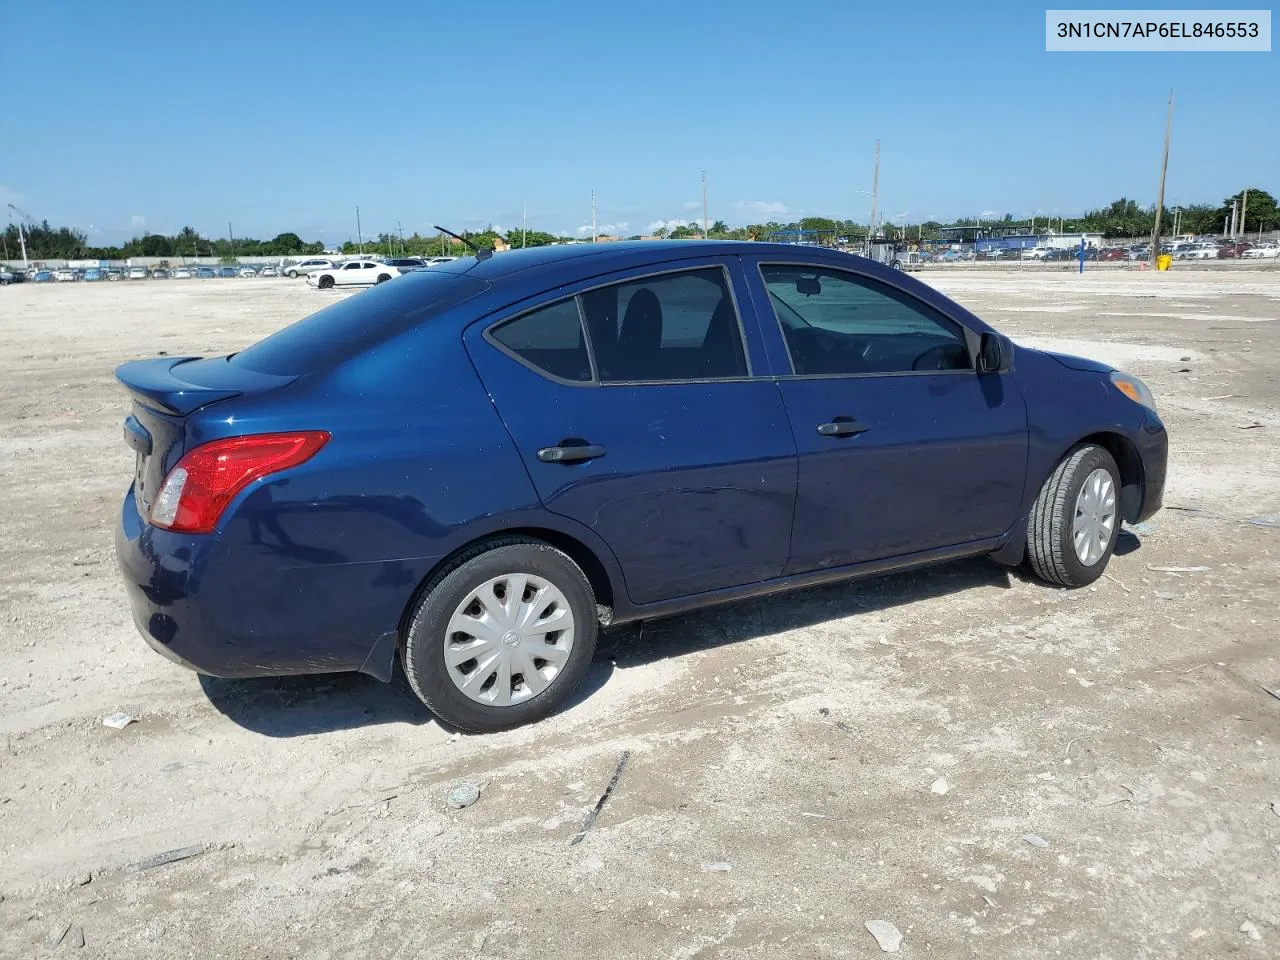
(198, 489)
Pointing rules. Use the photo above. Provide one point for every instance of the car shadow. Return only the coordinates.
(634, 644)
(307, 705)
(300, 706)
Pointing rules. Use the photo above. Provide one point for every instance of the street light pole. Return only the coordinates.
(1164, 169)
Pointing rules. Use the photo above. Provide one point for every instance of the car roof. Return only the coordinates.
(596, 258)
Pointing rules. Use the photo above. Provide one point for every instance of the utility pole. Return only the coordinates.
(705, 228)
(1244, 206)
(1235, 208)
(359, 235)
(403, 248)
(1164, 168)
(593, 215)
(232, 237)
(875, 193)
(524, 224)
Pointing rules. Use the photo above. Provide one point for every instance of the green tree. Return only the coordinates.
(1260, 214)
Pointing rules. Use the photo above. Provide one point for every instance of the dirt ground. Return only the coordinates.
(1110, 754)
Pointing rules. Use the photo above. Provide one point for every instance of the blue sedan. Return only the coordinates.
(474, 468)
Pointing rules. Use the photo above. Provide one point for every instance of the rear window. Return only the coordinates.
(356, 323)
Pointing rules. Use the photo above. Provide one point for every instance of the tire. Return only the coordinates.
(325, 283)
(291, 274)
(1051, 528)
(427, 639)
(897, 264)
(383, 277)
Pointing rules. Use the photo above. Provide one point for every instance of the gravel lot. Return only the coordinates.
(795, 739)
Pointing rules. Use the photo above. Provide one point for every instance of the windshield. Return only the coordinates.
(356, 323)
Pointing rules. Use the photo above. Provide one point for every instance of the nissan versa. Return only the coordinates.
(474, 467)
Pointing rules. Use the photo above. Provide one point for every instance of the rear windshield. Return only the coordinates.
(344, 329)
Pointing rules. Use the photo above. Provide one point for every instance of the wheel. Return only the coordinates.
(291, 274)
(1075, 520)
(501, 636)
(383, 277)
(897, 264)
(325, 283)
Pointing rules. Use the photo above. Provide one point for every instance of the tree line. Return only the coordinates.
(1123, 218)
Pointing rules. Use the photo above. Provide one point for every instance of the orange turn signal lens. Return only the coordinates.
(1129, 390)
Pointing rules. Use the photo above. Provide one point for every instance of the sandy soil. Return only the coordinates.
(794, 739)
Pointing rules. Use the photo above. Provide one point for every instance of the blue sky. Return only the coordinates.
(125, 118)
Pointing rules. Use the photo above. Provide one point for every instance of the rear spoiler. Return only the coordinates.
(182, 385)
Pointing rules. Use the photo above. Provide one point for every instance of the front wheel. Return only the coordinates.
(291, 274)
(383, 277)
(1075, 520)
(897, 264)
(501, 636)
(325, 283)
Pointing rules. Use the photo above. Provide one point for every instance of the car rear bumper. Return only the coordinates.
(1153, 447)
(227, 609)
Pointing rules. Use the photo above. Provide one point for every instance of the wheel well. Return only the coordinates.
(1130, 466)
(577, 551)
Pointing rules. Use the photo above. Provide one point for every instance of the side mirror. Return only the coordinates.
(995, 353)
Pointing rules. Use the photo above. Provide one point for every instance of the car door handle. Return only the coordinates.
(570, 453)
(842, 427)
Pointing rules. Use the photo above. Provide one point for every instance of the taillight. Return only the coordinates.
(198, 489)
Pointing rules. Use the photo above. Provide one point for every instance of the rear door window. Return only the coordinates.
(675, 326)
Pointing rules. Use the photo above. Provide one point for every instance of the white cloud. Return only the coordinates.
(667, 224)
(138, 222)
(768, 208)
(988, 214)
(612, 229)
(9, 195)
(692, 204)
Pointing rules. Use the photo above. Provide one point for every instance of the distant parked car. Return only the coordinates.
(92, 274)
(42, 276)
(268, 272)
(1036, 253)
(137, 273)
(113, 273)
(64, 275)
(433, 261)
(206, 273)
(1232, 251)
(248, 272)
(407, 264)
(8, 276)
(228, 271)
(160, 273)
(471, 469)
(1111, 254)
(356, 273)
(293, 270)
(1267, 252)
(182, 273)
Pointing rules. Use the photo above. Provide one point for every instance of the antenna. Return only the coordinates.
(482, 253)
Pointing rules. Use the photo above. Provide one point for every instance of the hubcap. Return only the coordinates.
(1095, 517)
(509, 639)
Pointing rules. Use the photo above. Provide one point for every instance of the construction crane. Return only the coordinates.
(22, 239)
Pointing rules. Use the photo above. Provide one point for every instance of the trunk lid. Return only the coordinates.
(167, 390)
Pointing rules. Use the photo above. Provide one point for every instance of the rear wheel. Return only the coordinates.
(1075, 520)
(325, 283)
(383, 277)
(501, 636)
